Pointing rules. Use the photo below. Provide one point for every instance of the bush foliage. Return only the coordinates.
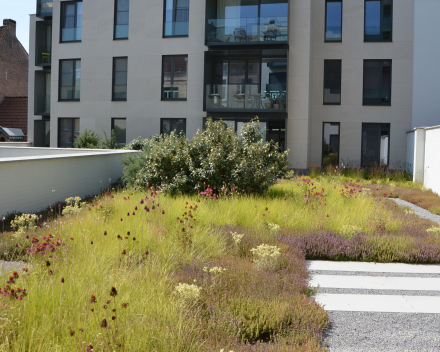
(216, 157)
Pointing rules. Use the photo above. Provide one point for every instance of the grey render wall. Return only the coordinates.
(351, 113)
(144, 48)
(426, 87)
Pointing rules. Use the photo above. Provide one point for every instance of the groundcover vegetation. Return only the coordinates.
(138, 270)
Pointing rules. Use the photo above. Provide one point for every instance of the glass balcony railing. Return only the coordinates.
(176, 29)
(42, 106)
(247, 30)
(44, 8)
(43, 55)
(246, 97)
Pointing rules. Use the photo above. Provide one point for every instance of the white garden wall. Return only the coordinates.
(28, 175)
(423, 156)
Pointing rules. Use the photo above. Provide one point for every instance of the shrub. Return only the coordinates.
(24, 222)
(88, 140)
(214, 158)
(136, 144)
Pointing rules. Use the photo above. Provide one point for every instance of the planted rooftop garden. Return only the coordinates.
(149, 268)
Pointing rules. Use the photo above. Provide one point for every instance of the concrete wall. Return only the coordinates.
(410, 151)
(27, 181)
(16, 144)
(432, 159)
(423, 147)
(353, 51)
(426, 87)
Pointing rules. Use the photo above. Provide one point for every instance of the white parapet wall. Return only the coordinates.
(31, 179)
(423, 156)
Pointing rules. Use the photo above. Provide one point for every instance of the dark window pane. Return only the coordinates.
(372, 17)
(333, 30)
(122, 5)
(120, 128)
(68, 131)
(174, 77)
(375, 144)
(70, 79)
(330, 144)
(377, 82)
(120, 78)
(378, 20)
(170, 125)
(332, 81)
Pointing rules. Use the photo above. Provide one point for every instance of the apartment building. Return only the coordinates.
(331, 80)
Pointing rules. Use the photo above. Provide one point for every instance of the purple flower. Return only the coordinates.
(91, 242)
(163, 212)
(136, 208)
(62, 280)
(16, 245)
(27, 237)
(105, 233)
(153, 207)
(59, 206)
(128, 214)
(142, 201)
(50, 272)
(134, 213)
(147, 209)
(121, 219)
(147, 252)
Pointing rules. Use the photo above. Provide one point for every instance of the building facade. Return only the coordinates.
(330, 80)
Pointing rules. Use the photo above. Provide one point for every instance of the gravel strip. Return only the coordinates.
(353, 291)
(382, 332)
(366, 273)
(6, 267)
(423, 213)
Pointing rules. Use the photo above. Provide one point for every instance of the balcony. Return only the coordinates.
(43, 43)
(246, 22)
(246, 97)
(42, 93)
(246, 80)
(43, 56)
(44, 9)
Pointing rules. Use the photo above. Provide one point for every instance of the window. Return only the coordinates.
(176, 18)
(71, 21)
(122, 8)
(375, 144)
(70, 80)
(333, 20)
(330, 144)
(377, 82)
(120, 128)
(169, 125)
(332, 82)
(378, 20)
(119, 78)
(68, 130)
(174, 77)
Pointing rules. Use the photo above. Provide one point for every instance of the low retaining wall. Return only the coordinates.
(29, 175)
(16, 144)
(424, 152)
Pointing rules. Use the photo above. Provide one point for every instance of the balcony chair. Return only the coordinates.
(240, 34)
(270, 34)
(45, 58)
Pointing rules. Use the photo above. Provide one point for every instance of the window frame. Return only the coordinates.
(381, 80)
(172, 70)
(323, 91)
(114, 78)
(73, 130)
(113, 127)
(174, 15)
(173, 119)
(62, 19)
(325, 24)
(74, 79)
(381, 24)
(322, 139)
(115, 19)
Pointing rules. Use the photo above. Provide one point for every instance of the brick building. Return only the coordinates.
(14, 63)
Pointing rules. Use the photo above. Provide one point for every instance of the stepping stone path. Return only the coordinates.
(378, 307)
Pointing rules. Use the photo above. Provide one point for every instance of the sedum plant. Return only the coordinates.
(188, 294)
(73, 206)
(24, 222)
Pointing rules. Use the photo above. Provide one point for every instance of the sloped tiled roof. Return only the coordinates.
(2, 31)
(13, 113)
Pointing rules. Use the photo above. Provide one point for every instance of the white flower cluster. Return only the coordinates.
(188, 294)
(349, 231)
(410, 212)
(266, 256)
(236, 237)
(216, 270)
(73, 206)
(434, 230)
(223, 350)
(274, 229)
(24, 222)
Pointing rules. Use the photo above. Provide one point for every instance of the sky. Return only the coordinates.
(19, 11)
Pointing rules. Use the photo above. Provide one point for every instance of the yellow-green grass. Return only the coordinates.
(155, 320)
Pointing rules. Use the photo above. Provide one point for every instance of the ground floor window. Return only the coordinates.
(120, 128)
(169, 125)
(68, 130)
(330, 144)
(375, 144)
(42, 133)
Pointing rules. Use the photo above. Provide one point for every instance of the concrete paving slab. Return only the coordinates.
(384, 304)
(376, 282)
(373, 267)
